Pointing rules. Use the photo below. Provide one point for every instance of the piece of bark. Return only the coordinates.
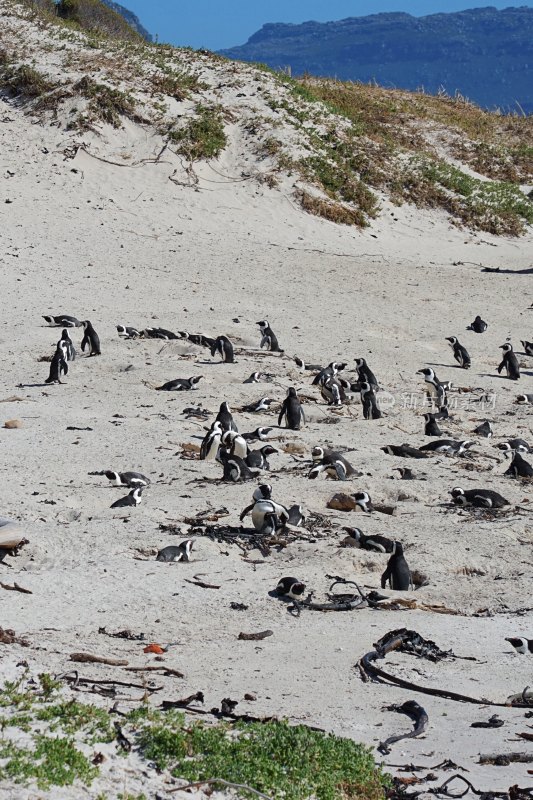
(256, 637)
(88, 658)
(15, 588)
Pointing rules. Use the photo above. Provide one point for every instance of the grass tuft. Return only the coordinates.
(203, 136)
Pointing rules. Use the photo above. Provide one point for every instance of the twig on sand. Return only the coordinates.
(88, 658)
(15, 588)
(210, 781)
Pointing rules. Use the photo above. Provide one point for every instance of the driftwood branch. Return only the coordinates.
(417, 713)
(88, 658)
(15, 588)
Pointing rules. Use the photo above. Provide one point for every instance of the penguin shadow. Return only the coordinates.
(36, 385)
(500, 377)
(213, 363)
(446, 366)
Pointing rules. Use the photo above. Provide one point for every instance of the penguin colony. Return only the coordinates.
(244, 456)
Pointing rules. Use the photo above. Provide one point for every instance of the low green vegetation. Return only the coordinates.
(95, 17)
(105, 103)
(283, 761)
(203, 135)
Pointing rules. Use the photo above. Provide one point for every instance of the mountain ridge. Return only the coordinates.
(483, 54)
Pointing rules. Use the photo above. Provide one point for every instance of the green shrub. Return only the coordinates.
(203, 136)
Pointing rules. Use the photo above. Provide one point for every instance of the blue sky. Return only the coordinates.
(216, 24)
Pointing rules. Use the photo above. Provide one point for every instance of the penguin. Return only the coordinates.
(303, 366)
(268, 337)
(256, 377)
(63, 321)
(510, 362)
(460, 353)
(365, 374)
(260, 435)
(363, 501)
(478, 325)
(260, 405)
(180, 384)
(292, 411)
(369, 402)
(234, 468)
(520, 644)
(211, 442)
(518, 445)
(58, 365)
(407, 474)
(333, 464)
(404, 451)
(70, 352)
(131, 499)
(224, 347)
(374, 542)
(397, 572)
(235, 444)
(435, 389)
(90, 339)
(485, 429)
(519, 468)
(296, 515)
(267, 516)
(528, 348)
(525, 399)
(431, 428)
(332, 391)
(480, 498)
(225, 418)
(160, 333)
(332, 369)
(181, 552)
(126, 332)
(449, 446)
(257, 459)
(131, 479)
(290, 587)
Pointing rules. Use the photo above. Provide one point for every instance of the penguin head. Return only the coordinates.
(224, 407)
(452, 339)
(291, 392)
(121, 330)
(467, 444)
(48, 319)
(187, 547)
(262, 323)
(387, 449)
(263, 492)
(427, 372)
(507, 347)
(397, 549)
(363, 500)
(429, 417)
(519, 643)
(112, 476)
(317, 453)
(290, 587)
(299, 362)
(458, 495)
(137, 493)
(355, 534)
(360, 362)
(521, 399)
(268, 450)
(228, 437)
(262, 433)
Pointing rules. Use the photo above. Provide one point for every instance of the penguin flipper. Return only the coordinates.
(246, 511)
(84, 343)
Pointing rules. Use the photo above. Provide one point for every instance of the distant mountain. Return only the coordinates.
(483, 53)
(131, 18)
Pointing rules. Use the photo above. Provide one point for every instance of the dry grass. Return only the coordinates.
(330, 210)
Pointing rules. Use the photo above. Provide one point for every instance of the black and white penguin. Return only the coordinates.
(332, 391)
(397, 572)
(131, 479)
(374, 542)
(224, 348)
(431, 428)
(521, 645)
(509, 362)
(58, 365)
(369, 401)
(511, 445)
(63, 321)
(332, 369)
(519, 468)
(268, 337)
(525, 399)
(267, 515)
(363, 501)
(259, 435)
(292, 411)
(304, 366)
(180, 552)
(290, 587)
(235, 469)
(332, 463)
(234, 443)
(365, 374)
(528, 348)
(485, 429)
(90, 339)
(225, 418)
(435, 389)
(478, 325)
(479, 498)
(211, 442)
(263, 404)
(258, 459)
(160, 333)
(255, 377)
(180, 384)
(407, 474)
(70, 351)
(403, 451)
(127, 332)
(460, 353)
(131, 499)
(449, 446)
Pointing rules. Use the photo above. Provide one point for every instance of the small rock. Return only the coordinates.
(341, 502)
(13, 423)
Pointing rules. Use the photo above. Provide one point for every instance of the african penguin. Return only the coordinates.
(520, 644)
(267, 515)
(449, 446)
(525, 399)
(70, 352)
(263, 404)
(292, 411)
(397, 572)
(90, 339)
(128, 332)
(519, 468)
(235, 469)
(224, 348)
(375, 542)
(332, 463)
(58, 365)
(480, 498)
(431, 428)
(211, 442)
(181, 552)
(509, 362)
(260, 434)
(485, 429)
(520, 445)
(435, 389)
(131, 479)
(290, 587)
(478, 325)
(268, 337)
(528, 348)
(234, 443)
(460, 353)
(63, 321)
(131, 499)
(180, 384)
(365, 374)
(255, 377)
(160, 333)
(403, 451)
(363, 501)
(225, 418)
(332, 391)
(257, 459)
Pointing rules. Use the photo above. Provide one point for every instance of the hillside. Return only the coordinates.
(484, 54)
(131, 18)
(154, 187)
